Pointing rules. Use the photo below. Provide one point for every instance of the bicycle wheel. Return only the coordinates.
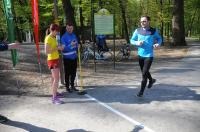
(84, 57)
(119, 56)
(108, 55)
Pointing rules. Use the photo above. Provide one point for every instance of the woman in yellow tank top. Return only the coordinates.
(51, 49)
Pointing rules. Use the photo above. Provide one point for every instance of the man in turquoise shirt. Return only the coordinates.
(145, 39)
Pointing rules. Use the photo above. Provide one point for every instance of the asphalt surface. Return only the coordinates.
(171, 105)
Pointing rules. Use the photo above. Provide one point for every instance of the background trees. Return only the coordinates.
(166, 16)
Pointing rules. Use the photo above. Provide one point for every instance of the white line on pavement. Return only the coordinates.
(138, 124)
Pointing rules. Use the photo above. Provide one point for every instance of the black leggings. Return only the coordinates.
(145, 65)
(70, 67)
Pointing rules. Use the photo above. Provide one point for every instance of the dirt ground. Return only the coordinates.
(26, 79)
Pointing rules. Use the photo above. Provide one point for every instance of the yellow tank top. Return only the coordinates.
(51, 42)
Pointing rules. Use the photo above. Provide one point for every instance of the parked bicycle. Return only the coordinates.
(124, 52)
(88, 52)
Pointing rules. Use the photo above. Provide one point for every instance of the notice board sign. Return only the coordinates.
(103, 24)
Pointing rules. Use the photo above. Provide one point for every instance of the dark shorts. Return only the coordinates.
(53, 64)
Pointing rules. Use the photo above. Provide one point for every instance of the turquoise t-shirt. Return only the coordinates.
(150, 36)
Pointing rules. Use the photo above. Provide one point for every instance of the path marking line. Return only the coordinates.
(138, 124)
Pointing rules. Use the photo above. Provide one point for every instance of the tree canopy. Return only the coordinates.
(127, 14)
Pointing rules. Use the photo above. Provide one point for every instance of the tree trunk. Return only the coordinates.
(81, 20)
(178, 30)
(17, 31)
(55, 13)
(191, 23)
(198, 31)
(168, 30)
(69, 13)
(122, 7)
(100, 4)
(162, 23)
(168, 23)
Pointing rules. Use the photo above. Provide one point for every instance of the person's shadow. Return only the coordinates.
(77, 130)
(26, 126)
(159, 92)
(137, 128)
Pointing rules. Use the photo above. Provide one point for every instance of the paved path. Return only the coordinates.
(172, 105)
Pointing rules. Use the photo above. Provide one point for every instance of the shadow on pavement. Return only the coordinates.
(26, 126)
(137, 128)
(77, 130)
(126, 94)
(178, 70)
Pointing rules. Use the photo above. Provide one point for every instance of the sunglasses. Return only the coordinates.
(143, 21)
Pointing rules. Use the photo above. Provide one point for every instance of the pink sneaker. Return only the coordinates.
(56, 100)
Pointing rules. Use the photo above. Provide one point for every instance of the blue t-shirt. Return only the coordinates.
(101, 40)
(150, 36)
(69, 52)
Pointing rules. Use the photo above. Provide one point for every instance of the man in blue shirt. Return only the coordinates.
(101, 43)
(69, 52)
(145, 39)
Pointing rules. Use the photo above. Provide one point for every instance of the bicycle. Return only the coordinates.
(124, 52)
(88, 52)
